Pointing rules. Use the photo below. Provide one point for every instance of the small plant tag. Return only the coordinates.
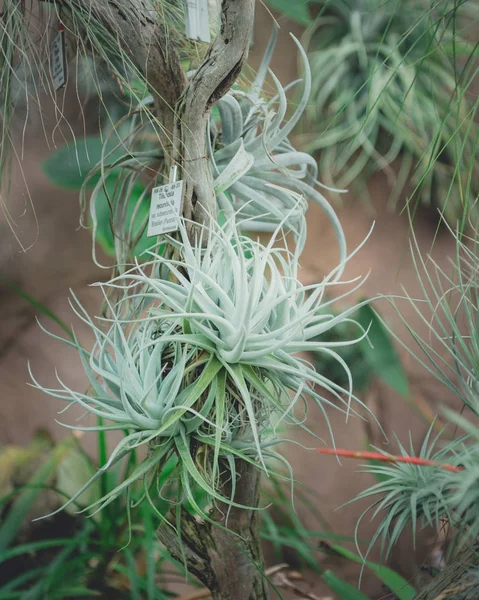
(165, 208)
(197, 20)
(58, 60)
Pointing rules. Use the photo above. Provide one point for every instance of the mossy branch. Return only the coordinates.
(228, 564)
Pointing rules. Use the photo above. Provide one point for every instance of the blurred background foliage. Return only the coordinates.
(393, 90)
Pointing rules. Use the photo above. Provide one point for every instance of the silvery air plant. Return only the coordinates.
(447, 491)
(198, 359)
(258, 174)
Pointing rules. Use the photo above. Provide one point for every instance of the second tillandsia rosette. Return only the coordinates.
(198, 360)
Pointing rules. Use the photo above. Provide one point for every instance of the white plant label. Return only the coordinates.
(165, 208)
(58, 61)
(197, 20)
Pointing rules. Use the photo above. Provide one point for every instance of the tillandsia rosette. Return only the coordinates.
(427, 496)
(198, 359)
(258, 174)
(447, 489)
(388, 83)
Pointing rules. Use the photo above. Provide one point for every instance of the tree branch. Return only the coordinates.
(228, 563)
(142, 35)
(182, 111)
(212, 80)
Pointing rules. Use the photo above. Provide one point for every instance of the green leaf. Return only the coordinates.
(42, 588)
(149, 549)
(70, 164)
(136, 89)
(36, 304)
(395, 582)
(344, 590)
(104, 234)
(7, 590)
(296, 10)
(32, 547)
(132, 574)
(382, 356)
(461, 48)
(26, 498)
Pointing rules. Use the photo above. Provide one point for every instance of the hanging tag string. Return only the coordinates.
(58, 55)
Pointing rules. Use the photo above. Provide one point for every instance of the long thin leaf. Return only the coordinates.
(26, 498)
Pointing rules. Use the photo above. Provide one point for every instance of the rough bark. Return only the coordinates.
(455, 581)
(138, 30)
(228, 564)
(212, 80)
(183, 109)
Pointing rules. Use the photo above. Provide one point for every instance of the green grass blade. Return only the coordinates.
(37, 305)
(132, 574)
(32, 547)
(344, 590)
(8, 590)
(26, 498)
(149, 550)
(395, 582)
(382, 357)
(296, 11)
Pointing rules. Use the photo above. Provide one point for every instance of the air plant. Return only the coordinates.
(426, 495)
(196, 354)
(258, 175)
(198, 359)
(387, 86)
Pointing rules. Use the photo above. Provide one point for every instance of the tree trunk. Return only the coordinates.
(228, 560)
(228, 563)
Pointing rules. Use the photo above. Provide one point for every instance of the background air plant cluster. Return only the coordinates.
(445, 495)
(394, 82)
